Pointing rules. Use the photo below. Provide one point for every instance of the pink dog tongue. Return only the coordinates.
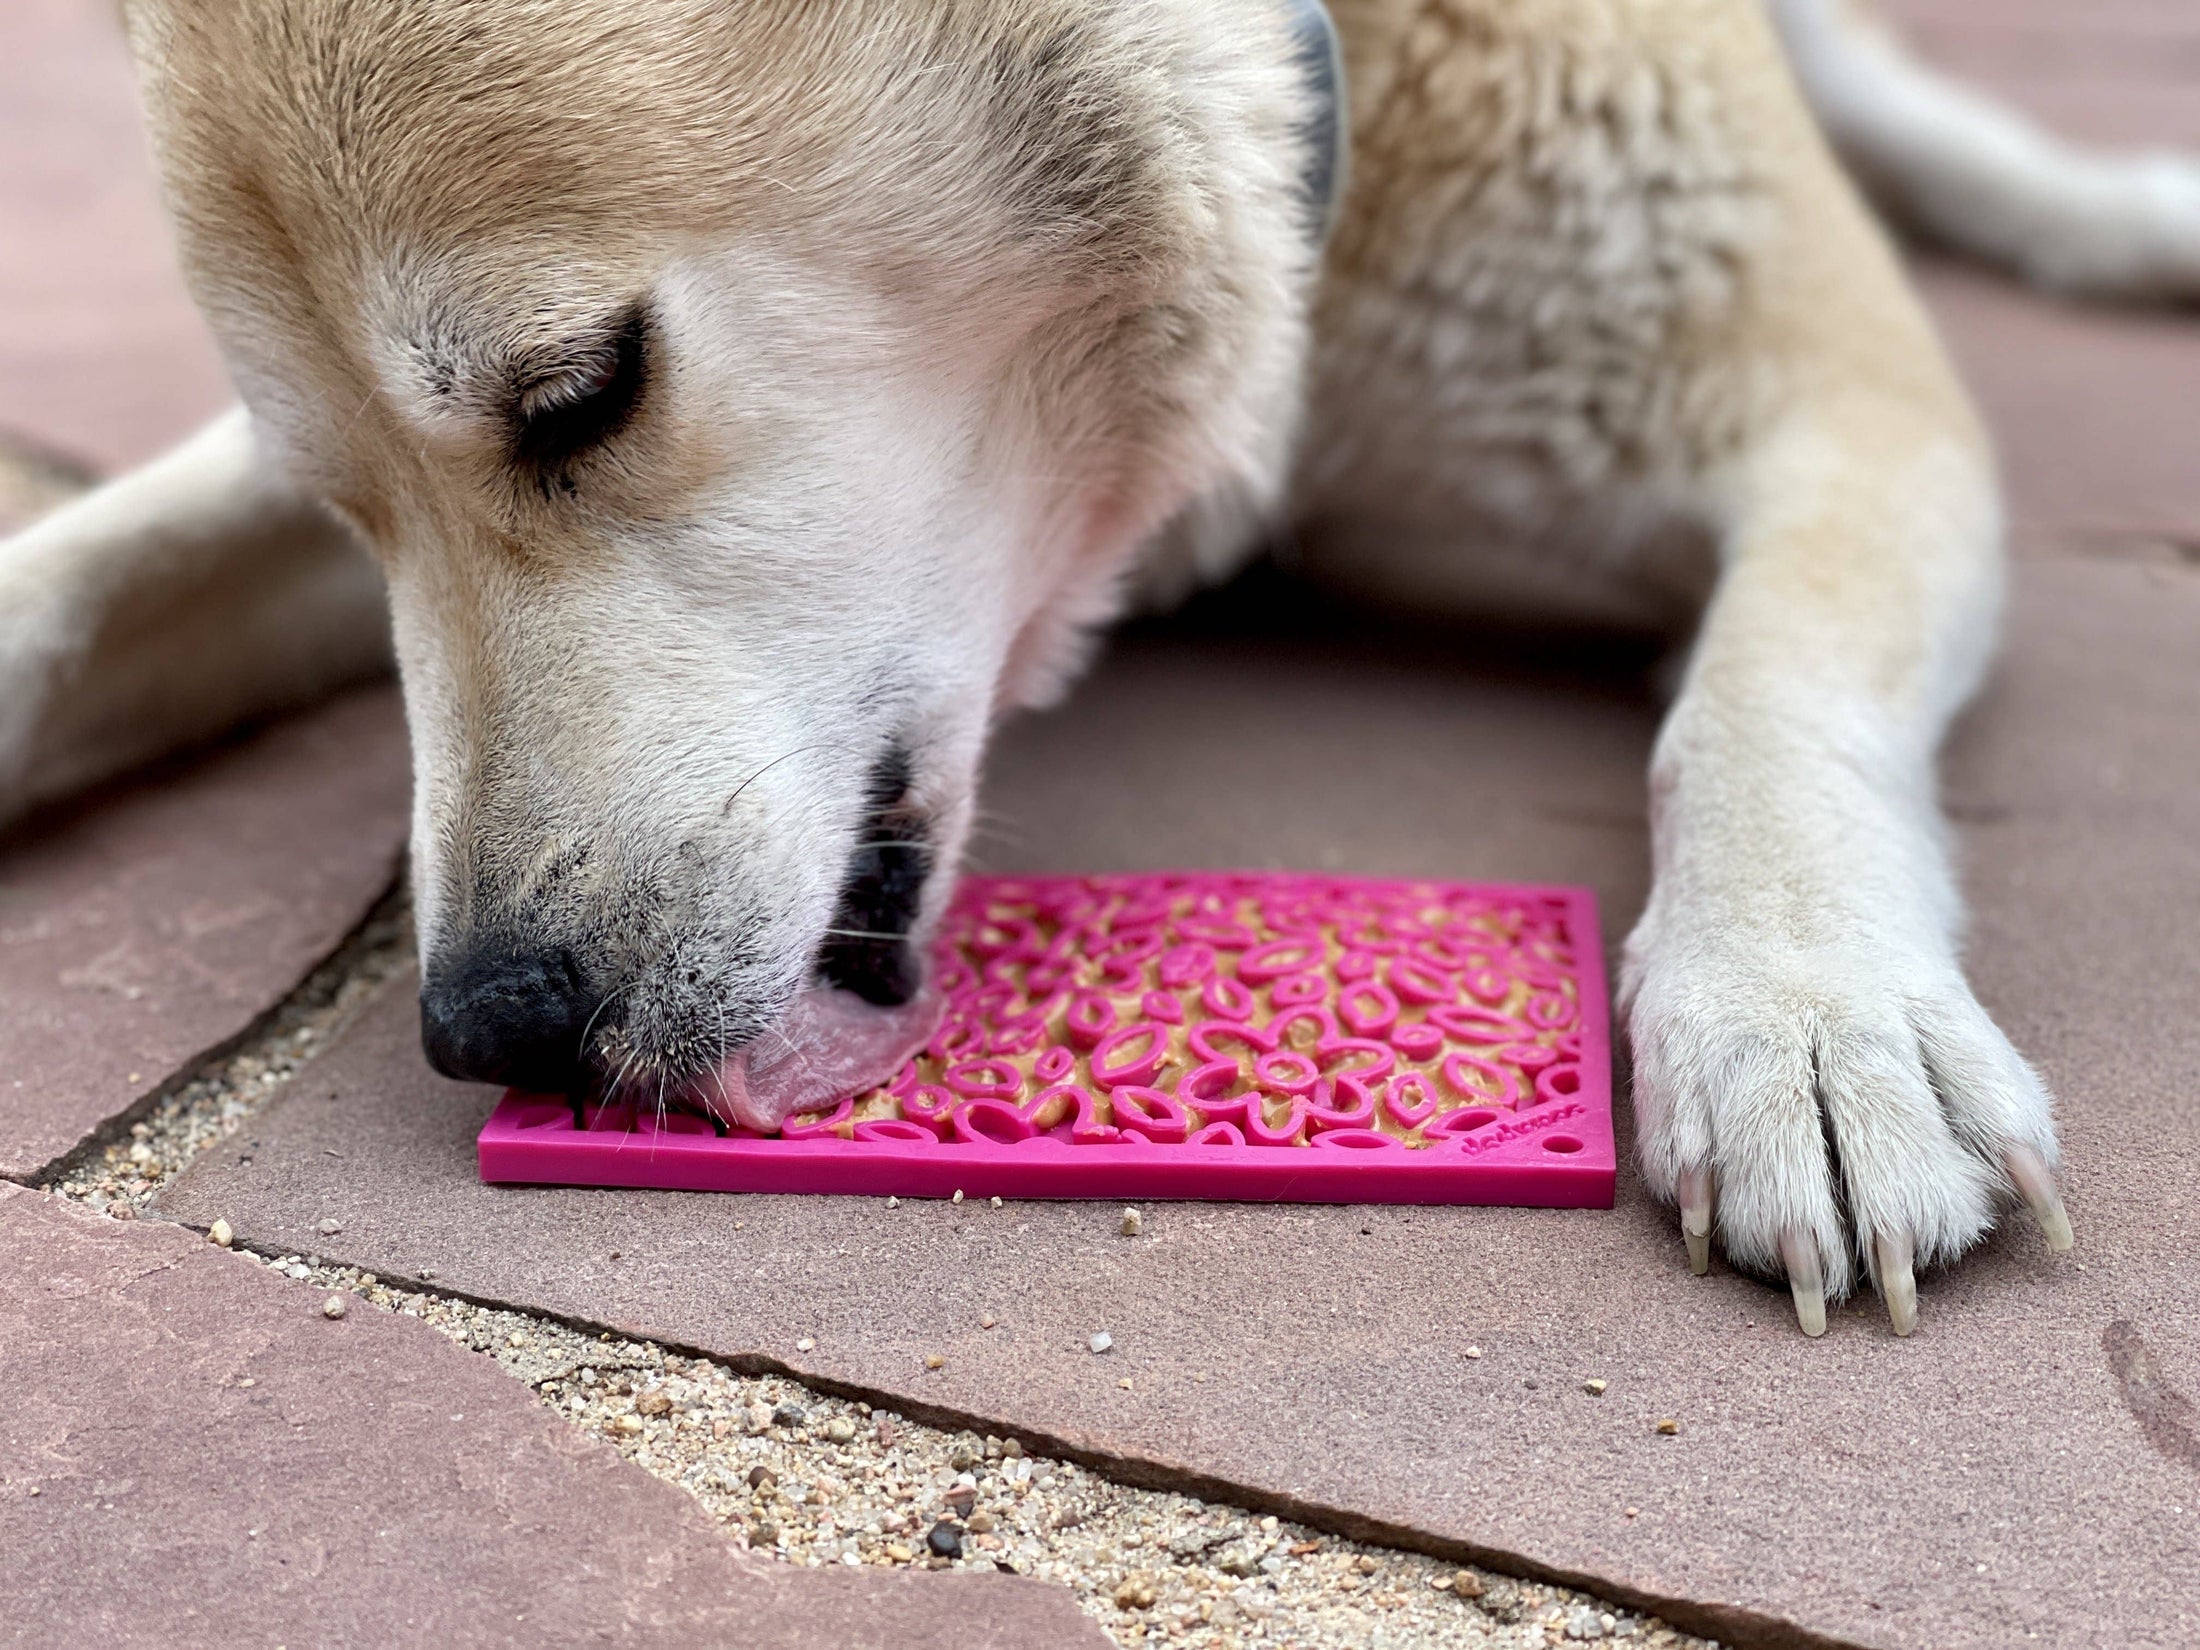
(831, 1043)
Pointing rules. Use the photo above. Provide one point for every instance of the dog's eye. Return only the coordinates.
(564, 415)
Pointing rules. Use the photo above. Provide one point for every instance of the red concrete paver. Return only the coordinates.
(191, 1454)
(158, 919)
(2096, 412)
(2094, 408)
(101, 353)
(2007, 1476)
(2115, 72)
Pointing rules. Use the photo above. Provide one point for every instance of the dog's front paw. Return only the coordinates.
(1828, 1110)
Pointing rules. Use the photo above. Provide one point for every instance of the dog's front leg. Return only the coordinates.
(168, 606)
(1812, 1071)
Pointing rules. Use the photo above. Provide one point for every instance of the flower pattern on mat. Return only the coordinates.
(1234, 1009)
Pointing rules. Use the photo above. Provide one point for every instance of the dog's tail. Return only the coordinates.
(1961, 169)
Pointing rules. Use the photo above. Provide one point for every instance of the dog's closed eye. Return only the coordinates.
(565, 413)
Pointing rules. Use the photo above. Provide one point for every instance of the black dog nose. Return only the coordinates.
(497, 1014)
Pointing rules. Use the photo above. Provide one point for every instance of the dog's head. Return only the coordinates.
(746, 402)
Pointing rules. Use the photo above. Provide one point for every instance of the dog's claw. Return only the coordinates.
(1897, 1283)
(2029, 1170)
(1806, 1280)
(1694, 1192)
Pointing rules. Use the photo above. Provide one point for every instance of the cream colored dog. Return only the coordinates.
(744, 404)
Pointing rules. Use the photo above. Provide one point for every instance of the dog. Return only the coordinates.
(737, 408)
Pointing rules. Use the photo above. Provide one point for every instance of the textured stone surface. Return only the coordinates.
(154, 920)
(2093, 410)
(101, 352)
(2115, 72)
(2017, 1469)
(2093, 407)
(191, 1454)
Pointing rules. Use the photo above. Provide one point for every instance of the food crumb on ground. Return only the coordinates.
(1101, 1342)
(219, 1233)
(333, 1307)
(1132, 1223)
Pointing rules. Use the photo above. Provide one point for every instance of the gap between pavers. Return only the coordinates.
(192, 1454)
(154, 922)
(2002, 1475)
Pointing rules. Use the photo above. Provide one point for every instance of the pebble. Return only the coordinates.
(1595, 1389)
(1466, 1584)
(996, 1202)
(333, 1307)
(654, 1403)
(1136, 1593)
(1133, 1223)
(805, 1345)
(761, 1478)
(841, 1430)
(1102, 1341)
(219, 1234)
(1474, 1352)
(330, 1227)
(981, 1523)
(789, 1415)
(987, 1322)
(945, 1540)
(627, 1424)
(763, 1533)
(758, 1416)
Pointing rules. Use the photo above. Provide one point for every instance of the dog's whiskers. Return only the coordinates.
(784, 756)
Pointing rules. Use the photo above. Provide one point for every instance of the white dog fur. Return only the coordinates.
(961, 317)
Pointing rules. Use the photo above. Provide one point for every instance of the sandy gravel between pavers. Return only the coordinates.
(813, 1479)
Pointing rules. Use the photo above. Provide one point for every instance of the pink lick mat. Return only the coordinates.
(1247, 1035)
